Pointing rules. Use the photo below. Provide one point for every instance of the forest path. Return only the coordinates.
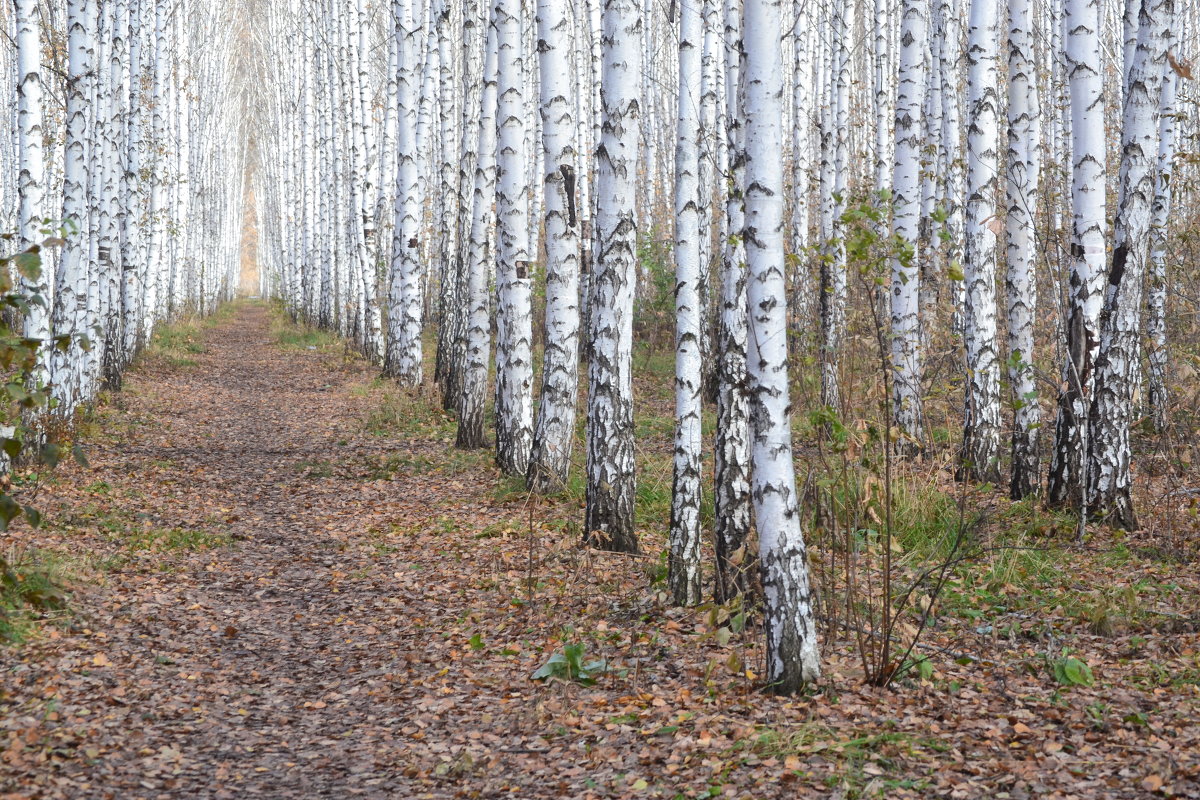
(288, 584)
(299, 657)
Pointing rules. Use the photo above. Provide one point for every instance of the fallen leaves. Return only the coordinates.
(371, 622)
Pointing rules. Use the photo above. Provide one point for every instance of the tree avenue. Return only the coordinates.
(909, 238)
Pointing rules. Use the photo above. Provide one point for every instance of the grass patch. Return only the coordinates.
(132, 534)
(315, 468)
(864, 760)
(294, 335)
(161, 540)
(32, 588)
(410, 415)
(304, 338)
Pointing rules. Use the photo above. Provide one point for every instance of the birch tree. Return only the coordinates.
(1088, 251)
(31, 179)
(610, 481)
(732, 446)
(1023, 167)
(684, 563)
(1156, 305)
(403, 359)
(792, 658)
(71, 279)
(906, 192)
(1109, 479)
(514, 321)
(477, 333)
(981, 429)
(554, 435)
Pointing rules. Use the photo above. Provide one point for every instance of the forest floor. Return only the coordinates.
(282, 581)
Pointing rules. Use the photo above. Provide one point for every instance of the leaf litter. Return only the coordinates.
(277, 596)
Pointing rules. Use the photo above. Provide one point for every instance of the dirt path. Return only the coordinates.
(269, 667)
(292, 586)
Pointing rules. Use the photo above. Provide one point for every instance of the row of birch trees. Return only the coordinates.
(124, 169)
(429, 174)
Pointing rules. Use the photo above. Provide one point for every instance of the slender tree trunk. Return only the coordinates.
(1110, 481)
(554, 435)
(1088, 251)
(514, 312)
(32, 177)
(1024, 166)
(981, 428)
(792, 659)
(610, 458)
(684, 564)
(403, 360)
(906, 214)
(1156, 304)
(732, 446)
(473, 396)
(71, 280)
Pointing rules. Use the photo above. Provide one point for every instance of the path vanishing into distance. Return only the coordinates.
(303, 659)
(288, 584)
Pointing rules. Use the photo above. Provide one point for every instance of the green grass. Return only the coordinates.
(851, 751)
(32, 588)
(161, 540)
(410, 415)
(125, 529)
(294, 338)
(315, 468)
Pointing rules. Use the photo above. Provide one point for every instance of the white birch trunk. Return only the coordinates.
(1156, 304)
(981, 428)
(404, 352)
(732, 447)
(1088, 252)
(1023, 172)
(550, 459)
(906, 214)
(684, 562)
(792, 658)
(514, 313)
(473, 395)
(610, 457)
(1109, 480)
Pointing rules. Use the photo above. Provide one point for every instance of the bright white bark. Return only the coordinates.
(1109, 480)
(473, 395)
(792, 658)
(1023, 168)
(610, 458)
(71, 281)
(732, 447)
(981, 428)
(1156, 303)
(906, 277)
(32, 177)
(1088, 251)
(514, 312)
(404, 355)
(684, 562)
(550, 459)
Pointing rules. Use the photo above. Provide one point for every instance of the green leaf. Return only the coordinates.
(51, 454)
(34, 516)
(29, 264)
(81, 458)
(9, 510)
(475, 641)
(1070, 671)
